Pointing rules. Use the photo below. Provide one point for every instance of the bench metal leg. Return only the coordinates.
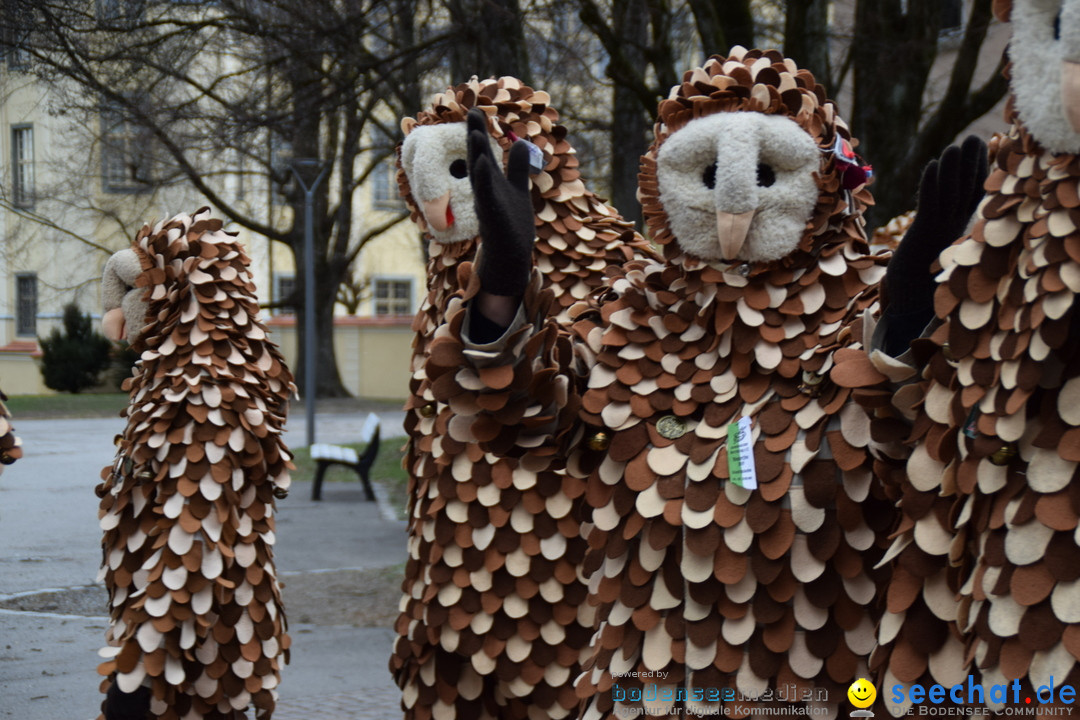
(368, 492)
(316, 489)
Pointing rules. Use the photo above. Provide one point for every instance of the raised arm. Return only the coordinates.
(949, 193)
(504, 208)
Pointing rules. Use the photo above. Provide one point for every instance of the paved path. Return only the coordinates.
(49, 539)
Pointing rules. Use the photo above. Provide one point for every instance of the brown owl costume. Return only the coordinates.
(987, 558)
(10, 443)
(492, 535)
(704, 588)
(188, 507)
(708, 590)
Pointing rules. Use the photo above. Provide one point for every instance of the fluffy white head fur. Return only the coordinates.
(434, 158)
(125, 308)
(1037, 58)
(757, 163)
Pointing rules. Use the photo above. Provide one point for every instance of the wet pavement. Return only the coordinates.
(50, 551)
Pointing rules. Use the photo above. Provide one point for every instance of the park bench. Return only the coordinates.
(326, 455)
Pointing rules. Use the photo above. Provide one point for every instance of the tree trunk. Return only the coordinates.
(491, 40)
(900, 46)
(899, 136)
(806, 37)
(306, 133)
(630, 122)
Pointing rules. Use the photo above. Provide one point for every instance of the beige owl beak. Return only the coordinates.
(435, 212)
(1070, 92)
(732, 229)
(112, 324)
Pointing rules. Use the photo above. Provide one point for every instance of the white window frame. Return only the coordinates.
(282, 291)
(392, 305)
(26, 304)
(125, 153)
(383, 177)
(22, 165)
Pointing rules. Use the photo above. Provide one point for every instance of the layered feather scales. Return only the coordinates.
(188, 507)
(491, 622)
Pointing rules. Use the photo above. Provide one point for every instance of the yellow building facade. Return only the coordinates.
(70, 195)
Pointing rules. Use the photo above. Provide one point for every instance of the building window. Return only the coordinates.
(22, 166)
(125, 157)
(284, 289)
(393, 297)
(26, 304)
(112, 11)
(383, 178)
(18, 19)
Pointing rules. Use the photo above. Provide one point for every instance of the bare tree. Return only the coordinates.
(807, 36)
(647, 42)
(489, 39)
(893, 52)
(887, 59)
(220, 96)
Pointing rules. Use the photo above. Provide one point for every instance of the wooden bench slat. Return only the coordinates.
(326, 455)
(334, 452)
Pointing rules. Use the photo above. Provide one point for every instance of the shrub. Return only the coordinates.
(122, 364)
(72, 360)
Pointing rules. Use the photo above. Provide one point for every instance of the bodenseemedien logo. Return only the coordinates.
(862, 694)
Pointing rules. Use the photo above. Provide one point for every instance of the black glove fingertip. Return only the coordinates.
(476, 119)
(481, 177)
(517, 167)
(928, 190)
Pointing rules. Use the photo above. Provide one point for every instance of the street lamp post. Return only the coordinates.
(309, 286)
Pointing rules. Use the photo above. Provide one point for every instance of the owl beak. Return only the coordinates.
(112, 324)
(732, 229)
(438, 214)
(1070, 92)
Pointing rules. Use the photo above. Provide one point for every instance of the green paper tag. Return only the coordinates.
(740, 453)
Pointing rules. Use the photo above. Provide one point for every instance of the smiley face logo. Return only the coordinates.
(862, 693)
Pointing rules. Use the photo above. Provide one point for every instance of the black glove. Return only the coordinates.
(949, 193)
(119, 705)
(505, 210)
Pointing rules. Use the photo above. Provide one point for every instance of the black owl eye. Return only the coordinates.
(709, 176)
(459, 169)
(766, 176)
(1057, 26)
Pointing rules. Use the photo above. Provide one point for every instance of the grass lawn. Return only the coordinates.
(386, 470)
(66, 405)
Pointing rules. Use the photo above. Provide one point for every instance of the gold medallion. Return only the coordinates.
(671, 427)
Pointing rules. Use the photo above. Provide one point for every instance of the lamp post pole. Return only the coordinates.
(309, 287)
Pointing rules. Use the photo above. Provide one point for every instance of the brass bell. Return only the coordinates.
(1004, 454)
(144, 476)
(947, 353)
(6, 459)
(811, 384)
(281, 493)
(599, 440)
(428, 411)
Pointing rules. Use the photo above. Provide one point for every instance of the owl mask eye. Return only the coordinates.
(433, 157)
